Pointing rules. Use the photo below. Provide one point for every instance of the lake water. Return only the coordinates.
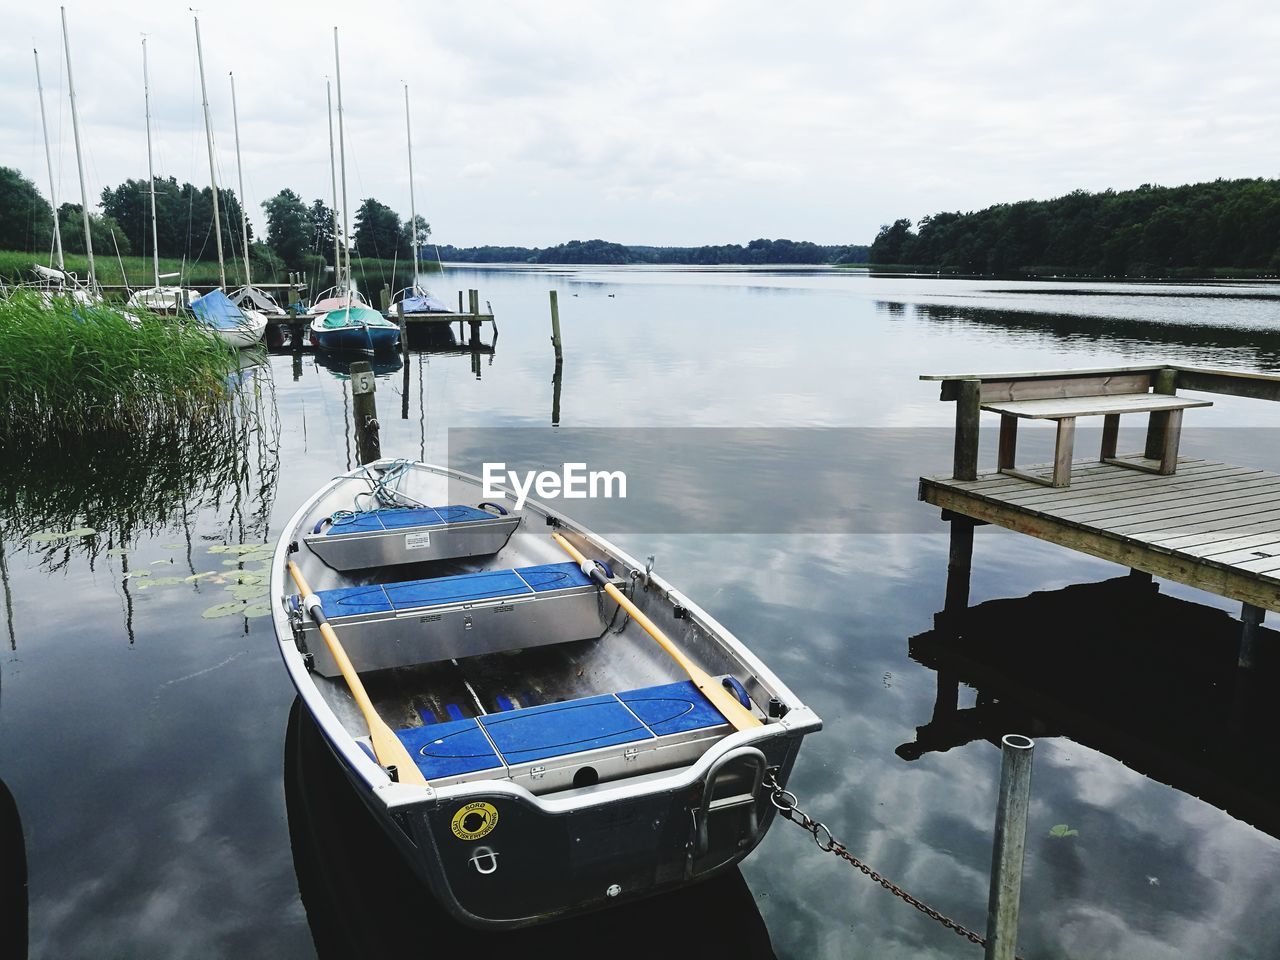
(168, 802)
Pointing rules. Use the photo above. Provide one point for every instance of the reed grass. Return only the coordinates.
(70, 369)
(15, 267)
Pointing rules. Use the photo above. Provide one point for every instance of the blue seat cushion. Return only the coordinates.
(553, 730)
(437, 591)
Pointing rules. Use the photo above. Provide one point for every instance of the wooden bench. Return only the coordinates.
(1109, 406)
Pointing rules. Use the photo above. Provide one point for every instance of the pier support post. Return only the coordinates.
(1251, 622)
(384, 295)
(1166, 381)
(959, 565)
(460, 309)
(365, 410)
(404, 360)
(1016, 752)
(555, 327)
(473, 302)
(968, 412)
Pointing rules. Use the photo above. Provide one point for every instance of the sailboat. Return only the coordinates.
(53, 281)
(57, 281)
(159, 298)
(248, 297)
(415, 298)
(237, 327)
(344, 321)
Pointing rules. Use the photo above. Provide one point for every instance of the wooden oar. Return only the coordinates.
(386, 745)
(713, 690)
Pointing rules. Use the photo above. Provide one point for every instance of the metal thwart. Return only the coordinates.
(786, 804)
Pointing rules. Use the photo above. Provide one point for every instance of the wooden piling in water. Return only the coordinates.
(384, 296)
(365, 410)
(555, 327)
(1010, 843)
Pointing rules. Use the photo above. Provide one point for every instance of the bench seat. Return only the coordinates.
(1165, 410)
(544, 746)
(385, 625)
(1100, 406)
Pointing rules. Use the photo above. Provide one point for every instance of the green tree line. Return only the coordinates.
(1151, 231)
(603, 252)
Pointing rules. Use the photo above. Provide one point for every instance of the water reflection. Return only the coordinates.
(1144, 677)
(110, 486)
(362, 899)
(1259, 349)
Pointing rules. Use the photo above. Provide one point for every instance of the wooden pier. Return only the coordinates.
(1211, 525)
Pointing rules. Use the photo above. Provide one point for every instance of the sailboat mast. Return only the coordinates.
(213, 173)
(48, 159)
(151, 175)
(75, 127)
(342, 160)
(333, 175)
(413, 210)
(244, 211)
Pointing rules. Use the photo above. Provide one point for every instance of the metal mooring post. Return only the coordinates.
(365, 409)
(1010, 842)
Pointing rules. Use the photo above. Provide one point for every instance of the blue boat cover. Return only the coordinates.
(486, 585)
(458, 747)
(424, 301)
(398, 517)
(216, 310)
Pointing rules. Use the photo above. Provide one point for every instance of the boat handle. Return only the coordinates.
(758, 761)
(502, 511)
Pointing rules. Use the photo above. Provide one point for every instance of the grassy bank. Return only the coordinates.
(72, 369)
(370, 273)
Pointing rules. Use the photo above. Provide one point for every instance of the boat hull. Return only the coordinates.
(605, 822)
(544, 862)
(359, 339)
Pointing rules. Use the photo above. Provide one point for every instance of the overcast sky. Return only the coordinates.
(661, 122)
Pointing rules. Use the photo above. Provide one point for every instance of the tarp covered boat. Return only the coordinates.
(354, 327)
(563, 760)
(417, 300)
(239, 328)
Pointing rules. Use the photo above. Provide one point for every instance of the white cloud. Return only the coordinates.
(691, 122)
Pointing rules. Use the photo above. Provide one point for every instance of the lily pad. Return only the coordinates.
(1062, 830)
(238, 548)
(172, 546)
(206, 575)
(260, 609)
(247, 591)
(162, 582)
(157, 562)
(53, 536)
(245, 576)
(118, 552)
(223, 609)
(135, 574)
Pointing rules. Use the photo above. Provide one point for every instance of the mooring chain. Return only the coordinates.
(785, 801)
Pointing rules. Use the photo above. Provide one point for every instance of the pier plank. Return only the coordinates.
(1204, 526)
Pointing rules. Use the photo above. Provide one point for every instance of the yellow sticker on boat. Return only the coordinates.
(475, 820)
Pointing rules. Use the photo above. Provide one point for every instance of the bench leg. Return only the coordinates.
(1008, 441)
(1169, 450)
(1110, 436)
(1063, 451)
